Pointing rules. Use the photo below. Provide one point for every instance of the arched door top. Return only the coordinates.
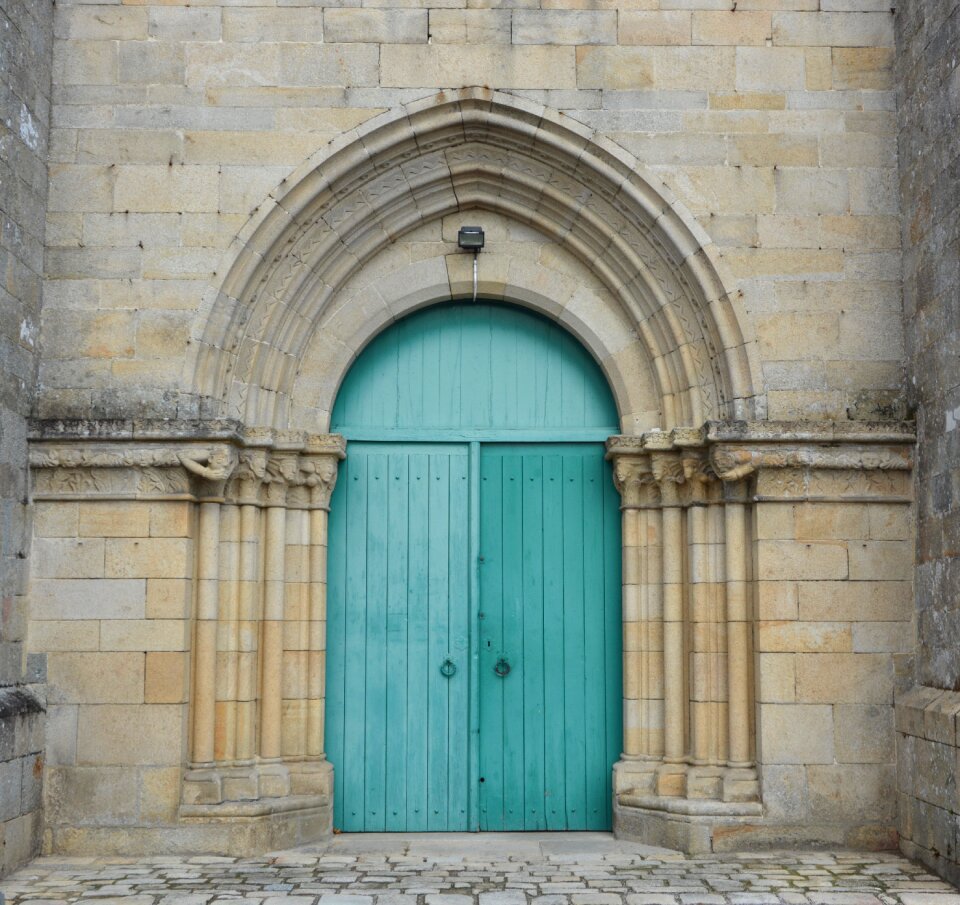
(475, 370)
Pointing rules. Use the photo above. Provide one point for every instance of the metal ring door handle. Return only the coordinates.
(448, 668)
(502, 668)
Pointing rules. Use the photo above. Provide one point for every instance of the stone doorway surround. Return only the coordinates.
(246, 720)
(767, 565)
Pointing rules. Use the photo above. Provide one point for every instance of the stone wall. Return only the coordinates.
(26, 38)
(928, 80)
(773, 124)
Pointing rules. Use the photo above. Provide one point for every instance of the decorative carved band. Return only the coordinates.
(254, 467)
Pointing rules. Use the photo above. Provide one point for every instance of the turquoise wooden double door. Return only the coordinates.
(474, 623)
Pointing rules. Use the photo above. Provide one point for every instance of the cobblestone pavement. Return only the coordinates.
(489, 869)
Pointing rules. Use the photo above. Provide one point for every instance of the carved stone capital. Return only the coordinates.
(320, 475)
(630, 474)
(669, 474)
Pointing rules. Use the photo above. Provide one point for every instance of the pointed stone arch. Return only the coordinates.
(455, 152)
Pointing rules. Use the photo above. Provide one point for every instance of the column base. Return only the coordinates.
(693, 826)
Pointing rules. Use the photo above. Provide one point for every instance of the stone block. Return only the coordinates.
(80, 188)
(184, 23)
(257, 25)
(79, 678)
(101, 23)
(470, 26)
(86, 63)
(881, 560)
(143, 635)
(891, 521)
(113, 519)
(776, 600)
(804, 637)
(845, 678)
(776, 678)
(92, 795)
(88, 599)
(160, 795)
(736, 27)
(774, 151)
(403, 66)
(120, 734)
(168, 598)
(785, 560)
(816, 192)
(857, 68)
(166, 677)
(55, 519)
(653, 27)
(769, 69)
(784, 792)
(855, 600)
(56, 557)
(375, 26)
(151, 63)
(843, 521)
(883, 637)
(155, 557)
(796, 734)
(863, 733)
(325, 64)
(852, 792)
(833, 29)
(555, 26)
(68, 635)
(159, 189)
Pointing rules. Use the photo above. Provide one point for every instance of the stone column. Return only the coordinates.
(228, 634)
(667, 470)
(320, 464)
(202, 783)
(281, 471)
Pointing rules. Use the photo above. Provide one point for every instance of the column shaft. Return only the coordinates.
(205, 641)
(271, 688)
(738, 708)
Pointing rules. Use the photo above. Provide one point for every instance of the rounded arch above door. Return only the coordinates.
(475, 370)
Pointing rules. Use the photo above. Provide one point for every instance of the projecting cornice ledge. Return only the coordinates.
(792, 460)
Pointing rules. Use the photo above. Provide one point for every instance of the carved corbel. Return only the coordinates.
(733, 464)
(211, 470)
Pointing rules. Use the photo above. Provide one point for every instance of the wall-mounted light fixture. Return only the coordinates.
(471, 238)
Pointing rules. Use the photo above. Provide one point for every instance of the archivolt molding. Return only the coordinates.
(461, 151)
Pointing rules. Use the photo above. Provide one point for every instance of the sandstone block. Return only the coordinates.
(470, 26)
(80, 188)
(88, 599)
(151, 63)
(166, 677)
(160, 794)
(815, 192)
(845, 678)
(647, 27)
(445, 64)
(168, 598)
(769, 69)
(64, 635)
(855, 600)
(176, 189)
(78, 678)
(804, 636)
(375, 26)
(55, 519)
(782, 560)
(833, 29)
(184, 23)
(84, 795)
(881, 560)
(86, 63)
(774, 151)
(101, 23)
(796, 734)
(144, 635)
(159, 557)
(287, 25)
(863, 68)
(882, 637)
(67, 557)
(114, 519)
(323, 64)
(234, 66)
(553, 26)
(864, 733)
(128, 734)
(776, 678)
(735, 27)
(777, 600)
(845, 792)
(831, 520)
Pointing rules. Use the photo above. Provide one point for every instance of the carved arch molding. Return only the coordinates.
(261, 484)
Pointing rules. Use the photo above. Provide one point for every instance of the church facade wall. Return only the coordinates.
(26, 38)
(179, 408)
